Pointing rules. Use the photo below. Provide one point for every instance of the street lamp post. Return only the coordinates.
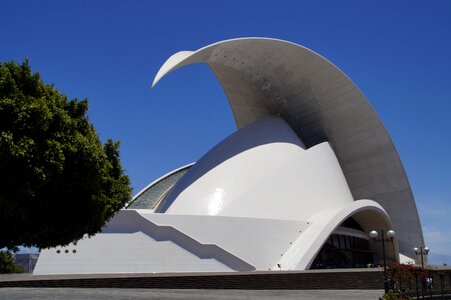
(422, 251)
(390, 235)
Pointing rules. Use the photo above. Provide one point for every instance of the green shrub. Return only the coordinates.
(7, 263)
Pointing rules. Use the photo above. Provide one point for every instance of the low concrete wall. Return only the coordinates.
(366, 279)
(324, 279)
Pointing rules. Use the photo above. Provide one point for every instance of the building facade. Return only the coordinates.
(309, 172)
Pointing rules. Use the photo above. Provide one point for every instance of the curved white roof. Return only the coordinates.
(264, 77)
(261, 171)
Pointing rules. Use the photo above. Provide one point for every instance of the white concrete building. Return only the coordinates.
(309, 172)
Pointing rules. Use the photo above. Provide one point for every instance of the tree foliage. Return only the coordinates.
(7, 263)
(57, 181)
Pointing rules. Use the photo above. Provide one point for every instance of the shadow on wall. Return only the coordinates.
(121, 224)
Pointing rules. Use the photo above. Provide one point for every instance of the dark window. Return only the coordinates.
(342, 242)
(358, 243)
(335, 241)
(348, 242)
(365, 244)
(329, 241)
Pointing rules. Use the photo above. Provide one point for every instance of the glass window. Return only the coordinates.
(358, 243)
(156, 192)
(342, 242)
(335, 242)
(348, 242)
(365, 245)
(329, 241)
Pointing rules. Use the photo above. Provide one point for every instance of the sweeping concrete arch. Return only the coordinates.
(262, 77)
(368, 214)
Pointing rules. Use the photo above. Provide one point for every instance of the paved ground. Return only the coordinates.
(116, 294)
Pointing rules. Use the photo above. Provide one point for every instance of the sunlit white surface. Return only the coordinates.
(263, 171)
(215, 201)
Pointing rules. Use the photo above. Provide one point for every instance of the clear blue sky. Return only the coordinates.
(397, 52)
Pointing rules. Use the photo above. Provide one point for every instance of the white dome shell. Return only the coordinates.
(261, 171)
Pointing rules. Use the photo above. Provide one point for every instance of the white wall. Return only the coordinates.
(261, 171)
(141, 241)
(259, 242)
(122, 253)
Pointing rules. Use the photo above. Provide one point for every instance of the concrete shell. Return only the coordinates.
(261, 171)
(264, 77)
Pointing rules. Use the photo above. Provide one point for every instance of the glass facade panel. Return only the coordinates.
(335, 241)
(342, 242)
(156, 192)
(348, 242)
(365, 244)
(344, 251)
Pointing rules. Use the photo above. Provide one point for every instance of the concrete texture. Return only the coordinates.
(116, 294)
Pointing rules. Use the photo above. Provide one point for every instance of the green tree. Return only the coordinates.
(57, 181)
(7, 263)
